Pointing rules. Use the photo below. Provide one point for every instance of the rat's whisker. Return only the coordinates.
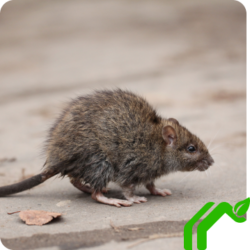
(216, 147)
(206, 173)
(184, 177)
(211, 141)
(218, 154)
(209, 172)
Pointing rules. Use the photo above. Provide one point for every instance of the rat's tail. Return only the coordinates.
(26, 184)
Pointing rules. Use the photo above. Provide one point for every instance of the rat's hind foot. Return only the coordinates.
(82, 187)
(98, 196)
(157, 191)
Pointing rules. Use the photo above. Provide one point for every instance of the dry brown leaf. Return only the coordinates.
(35, 217)
(135, 228)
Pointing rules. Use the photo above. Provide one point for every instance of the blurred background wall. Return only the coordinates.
(60, 46)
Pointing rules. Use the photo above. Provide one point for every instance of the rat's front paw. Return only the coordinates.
(161, 192)
(137, 199)
(119, 203)
(157, 191)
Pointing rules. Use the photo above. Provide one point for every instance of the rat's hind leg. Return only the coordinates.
(84, 187)
(128, 192)
(157, 191)
(98, 196)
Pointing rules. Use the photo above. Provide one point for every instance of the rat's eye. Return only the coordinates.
(191, 149)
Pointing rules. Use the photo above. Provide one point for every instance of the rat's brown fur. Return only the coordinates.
(117, 136)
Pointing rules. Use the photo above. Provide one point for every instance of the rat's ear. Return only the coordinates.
(169, 135)
(173, 120)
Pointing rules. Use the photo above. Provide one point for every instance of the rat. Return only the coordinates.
(115, 135)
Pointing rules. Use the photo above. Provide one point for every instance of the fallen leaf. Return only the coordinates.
(63, 203)
(35, 217)
(135, 228)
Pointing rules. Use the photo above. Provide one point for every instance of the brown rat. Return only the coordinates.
(116, 136)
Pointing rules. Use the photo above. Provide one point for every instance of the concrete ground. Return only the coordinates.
(187, 58)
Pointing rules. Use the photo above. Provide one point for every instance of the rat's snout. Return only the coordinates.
(205, 163)
(210, 160)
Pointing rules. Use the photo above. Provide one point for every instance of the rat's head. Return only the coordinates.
(184, 151)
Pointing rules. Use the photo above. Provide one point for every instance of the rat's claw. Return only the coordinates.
(161, 192)
(118, 203)
(137, 199)
(157, 191)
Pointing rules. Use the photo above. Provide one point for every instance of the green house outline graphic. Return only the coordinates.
(223, 208)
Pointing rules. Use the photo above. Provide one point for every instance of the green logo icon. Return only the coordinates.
(223, 208)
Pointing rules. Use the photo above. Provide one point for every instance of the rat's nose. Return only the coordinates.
(210, 160)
